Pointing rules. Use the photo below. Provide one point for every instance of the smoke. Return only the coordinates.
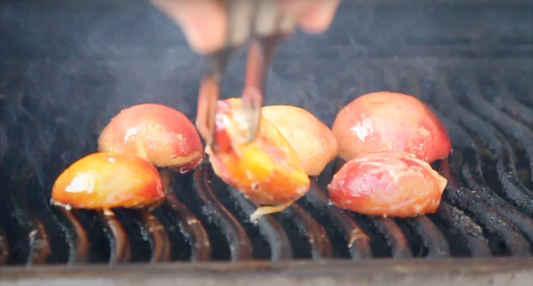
(78, 63)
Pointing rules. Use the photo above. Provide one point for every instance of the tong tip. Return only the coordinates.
(250, 111)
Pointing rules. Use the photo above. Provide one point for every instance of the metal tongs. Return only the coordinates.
(262, 22)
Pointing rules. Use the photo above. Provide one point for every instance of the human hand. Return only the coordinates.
(204, 21)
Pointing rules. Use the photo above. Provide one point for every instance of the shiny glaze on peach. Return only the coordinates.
(387, 183)
(108, 180)
(160, 134)
(387, 121)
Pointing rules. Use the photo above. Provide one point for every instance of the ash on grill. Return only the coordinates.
(64, 75)
(486, 211)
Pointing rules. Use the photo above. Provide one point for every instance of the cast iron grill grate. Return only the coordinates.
(64, 74)
(487, 208)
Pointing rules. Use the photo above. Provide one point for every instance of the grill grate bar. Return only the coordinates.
(190, 226)
(521, 86)
(119, 243)
(177, 213)
(476, 217)
(472, 172)
(153, 231)
(395, 237)
(504, 100)
(473, 178)
(485, 215)
(239, 243)
(431, 236)
(513, 189)
(470, 168)
(308, 227)
(463, 226)
(4, 142)
(506, 124)
(357, 240)
(467, 199)
(4, 247)
(37, 236)
(270, 229)
(75, 234)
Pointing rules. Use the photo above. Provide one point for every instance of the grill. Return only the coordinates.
(471, 63)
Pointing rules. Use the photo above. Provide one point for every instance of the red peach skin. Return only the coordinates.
(387, 121)
(312, 140)
(108, 180)
(387, 183)
(162, 135)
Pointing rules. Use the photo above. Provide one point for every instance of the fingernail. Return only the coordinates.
(325, 13)
(320, 17)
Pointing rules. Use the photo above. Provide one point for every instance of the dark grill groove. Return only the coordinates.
(153, 231)
(355, 238)
(309, 228)
(487, 208)
(4, 247)
(463, 226)
(469, 166)
(486, 216)
(118, 239)
(503, 122)
(270, 229)
(511, 187)
(239, 243)
(395, 237)
(75, 235)
(178, 214)
(504, 100)
(39, 245)
(432, 238)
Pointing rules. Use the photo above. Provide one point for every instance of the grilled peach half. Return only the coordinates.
(266, 170)
(387, 183)
(162, 135)
(108, 180)
(312, 140)
(388, 121)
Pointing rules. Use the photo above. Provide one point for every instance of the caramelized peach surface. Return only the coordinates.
(387, 121)
(266, 170)
(311, 139)
(160, 134)
(108, 180)
(387, 183)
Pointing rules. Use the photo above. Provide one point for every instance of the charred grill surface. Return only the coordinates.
(54, 104)
(75, 235)
(239, 243)
(153, 231)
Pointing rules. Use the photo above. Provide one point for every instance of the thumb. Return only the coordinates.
(203, 22)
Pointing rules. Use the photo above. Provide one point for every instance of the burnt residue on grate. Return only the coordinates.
(59, 88)
(486, 208)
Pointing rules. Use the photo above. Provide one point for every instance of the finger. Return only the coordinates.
(319, 16)
(314, 16)
(296, 8)
(202, 21)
